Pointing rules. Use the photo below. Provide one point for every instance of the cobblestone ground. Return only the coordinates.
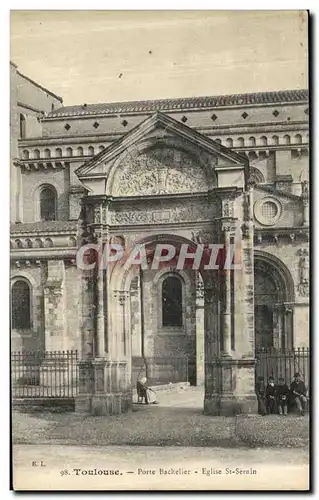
(177, 420)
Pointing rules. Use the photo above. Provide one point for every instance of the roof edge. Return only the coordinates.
(40, 86)
(276, 97)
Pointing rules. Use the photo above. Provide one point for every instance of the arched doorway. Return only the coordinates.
(274, 300)
(164, 317)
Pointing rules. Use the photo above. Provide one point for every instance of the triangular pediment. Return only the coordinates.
(173, 146)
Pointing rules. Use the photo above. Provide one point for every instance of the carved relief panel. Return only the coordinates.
(160, 170)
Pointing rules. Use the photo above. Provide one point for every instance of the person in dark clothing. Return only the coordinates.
(271, 396)
(282, 392)
(260, 392)
(141, 389)
(299, 393)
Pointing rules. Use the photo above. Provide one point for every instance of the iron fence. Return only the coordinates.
(42, 374)
(283, 363)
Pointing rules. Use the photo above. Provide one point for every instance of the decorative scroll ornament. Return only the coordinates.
(199, 287)
(303, 286)
(53, 290)
(227, 208)
(305, 191)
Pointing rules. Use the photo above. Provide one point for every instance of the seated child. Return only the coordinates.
(282, 393)
(271, 396)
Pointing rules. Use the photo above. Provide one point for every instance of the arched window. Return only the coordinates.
(252, 141)
(22, 126)
(241, 142)
(36, 154)
(101, 148)
(172, 308)
(47, 204)
(286, 139)
(91, 150)
(69, 152)
(47, 153)
(263, 140)
(25, 154)
(79, 151)
(298, 139)
(229, 143)
(275, 140)
(20, 305)
(58, 152)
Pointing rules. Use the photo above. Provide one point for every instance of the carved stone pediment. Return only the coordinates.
(160, 156)
(160, 171)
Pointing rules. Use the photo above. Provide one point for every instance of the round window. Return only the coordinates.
(267, 211)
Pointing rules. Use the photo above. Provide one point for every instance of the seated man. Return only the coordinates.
(282, 393)
(298, 391)
(271, 396)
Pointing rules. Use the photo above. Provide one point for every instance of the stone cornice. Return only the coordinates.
(42, 253)
(274, 234)
(43, 163)
(158, 197)
(278, 192)
(245, 128)
(252, 128)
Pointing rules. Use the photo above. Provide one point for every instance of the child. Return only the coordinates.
(282, 392)
(260, 392)
(270, 396)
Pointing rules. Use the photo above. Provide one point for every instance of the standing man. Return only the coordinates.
(260, 392)
(298, 391)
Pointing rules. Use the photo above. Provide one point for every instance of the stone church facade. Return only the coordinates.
(196, 171)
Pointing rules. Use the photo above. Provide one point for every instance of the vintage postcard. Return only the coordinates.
(159, 245)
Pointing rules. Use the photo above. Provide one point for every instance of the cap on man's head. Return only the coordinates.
(297, 375)
(271, 378)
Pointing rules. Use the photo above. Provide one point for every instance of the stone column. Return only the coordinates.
(100, 320)
(305, 202)
(200, 329)
(56, 371)
(136, 319)
(226, 314)
(230, 374)
(86, 373)
(276, 328)
(54, 307)
(288, 326)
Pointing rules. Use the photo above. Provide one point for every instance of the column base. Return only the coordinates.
(230, 387)
(104, 388)
(230, 405)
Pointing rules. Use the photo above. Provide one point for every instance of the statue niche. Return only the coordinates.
(159, 170)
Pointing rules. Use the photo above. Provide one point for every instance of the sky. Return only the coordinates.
(107, 56)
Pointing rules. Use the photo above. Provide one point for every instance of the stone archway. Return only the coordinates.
(274, 303)
(165, 352)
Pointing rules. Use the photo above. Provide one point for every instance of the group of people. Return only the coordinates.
(278, 398)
